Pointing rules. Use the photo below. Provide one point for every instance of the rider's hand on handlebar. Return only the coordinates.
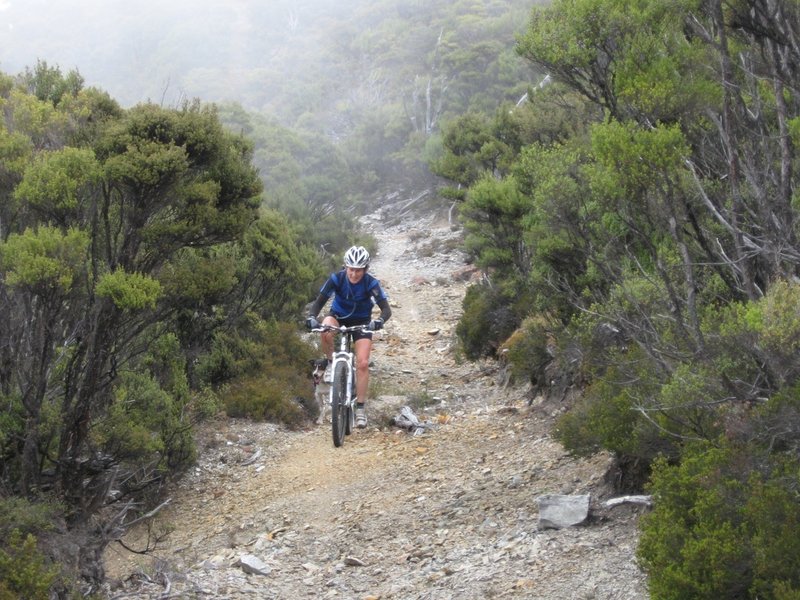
(312, 323)
(376, 324)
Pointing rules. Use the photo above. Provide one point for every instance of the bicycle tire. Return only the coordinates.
(339, 408)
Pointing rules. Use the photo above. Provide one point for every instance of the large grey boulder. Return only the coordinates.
(557, 511)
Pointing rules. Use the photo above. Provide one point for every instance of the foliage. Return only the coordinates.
(470, 150)
(562, 270)
(272, 378)
(132, 291)
(494, 210)
(486, 321)
(148, 425)
(283, 268)
(631, 58)
(262, 398)
(47, 262)
(640, 411)
(723, 525)
(118, 226)
(26, 517)
(655, 232)
(606, 417)
(53, 185)
(24, 571)
(47, 83)
(634, 211)
(12, 427)
(529, 351)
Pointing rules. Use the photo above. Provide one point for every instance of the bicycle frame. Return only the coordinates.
(344, 357)
(342, 397)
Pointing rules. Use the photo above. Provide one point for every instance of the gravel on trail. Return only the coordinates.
(448, 513)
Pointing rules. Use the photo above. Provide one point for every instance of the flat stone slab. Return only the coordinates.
(250, 563)
(557, 511)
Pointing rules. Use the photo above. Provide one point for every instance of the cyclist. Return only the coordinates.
(355, 292)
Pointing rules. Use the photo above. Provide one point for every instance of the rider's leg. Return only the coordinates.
(362, 350)
(326, 337)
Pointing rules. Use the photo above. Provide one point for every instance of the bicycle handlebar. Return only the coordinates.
(341, 328)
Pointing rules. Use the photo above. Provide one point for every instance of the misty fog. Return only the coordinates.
(167, 51)
(379, 74)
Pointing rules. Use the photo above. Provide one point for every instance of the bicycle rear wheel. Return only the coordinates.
(339, 408)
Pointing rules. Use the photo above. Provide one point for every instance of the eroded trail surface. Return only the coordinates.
(451, 513)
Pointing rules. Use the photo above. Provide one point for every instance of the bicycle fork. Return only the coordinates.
(346, 358)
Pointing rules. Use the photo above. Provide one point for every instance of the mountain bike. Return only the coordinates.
(343, 387)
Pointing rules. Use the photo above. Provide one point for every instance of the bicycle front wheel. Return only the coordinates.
(339, 416)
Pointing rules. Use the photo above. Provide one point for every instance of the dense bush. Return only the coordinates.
(639, 407)
(271, 376)
(134, 248)
(672, 272)
(263, 398)
(529, 351)
(724, 526)
(486, 322)
(24, 571)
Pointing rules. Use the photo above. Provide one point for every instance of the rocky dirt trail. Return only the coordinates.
(451, 513)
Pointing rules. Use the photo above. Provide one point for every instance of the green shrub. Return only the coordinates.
(726, 524)
(605, 417)
(24, 570)
(12, 429)
(24, 516)
(129, 291)
(222, 362)
(205, 403)
(772, 514)
(486, 322)
(255, 347)
(613, 414)
(149, 421)
(146, 425)
(272, 377)
(262, 398)
(529, 350)
(758, 340)
(602, 418)
(693, 544)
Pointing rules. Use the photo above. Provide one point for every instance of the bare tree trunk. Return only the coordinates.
(427, 118)
(783, 198)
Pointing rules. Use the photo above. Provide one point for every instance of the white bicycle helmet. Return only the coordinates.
(356, 257)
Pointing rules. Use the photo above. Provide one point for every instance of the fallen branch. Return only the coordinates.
(149, 515)
(642, 500)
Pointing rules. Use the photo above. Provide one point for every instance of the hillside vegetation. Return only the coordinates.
(140, 279)
(638, 218)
